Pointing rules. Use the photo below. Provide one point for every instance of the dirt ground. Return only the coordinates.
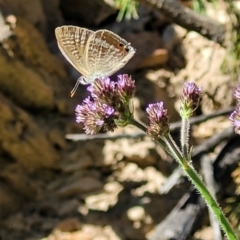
(52, 188)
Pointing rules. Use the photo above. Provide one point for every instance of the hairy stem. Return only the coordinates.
(185, 128)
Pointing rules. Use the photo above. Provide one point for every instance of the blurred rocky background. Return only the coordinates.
(53, 188)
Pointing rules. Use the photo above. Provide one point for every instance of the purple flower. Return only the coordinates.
(108, 106)
(104, 90)
(125, 87)
(236, 93)
(95, 116)
(235, 119)
(159, 120)
(190, 99)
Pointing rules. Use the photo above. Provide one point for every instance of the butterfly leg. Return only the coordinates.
(81, 80)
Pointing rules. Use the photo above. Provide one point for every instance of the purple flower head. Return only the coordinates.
(95, 116)
(235, 119)
(190, 99)
(159, 120)
(108, 106)
(236, 93)
(125, 87)
(103, 90)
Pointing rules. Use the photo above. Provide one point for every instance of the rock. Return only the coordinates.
(134, 233)
(5, 28)
(157, 58)
(106, 199)
(83, 185)
(68, 225)
(68, 207)
(136, 213)
(170, 37)
(57, 137)
(31, 76)
(25, 86)
(9, 201)
(31, 10)
(153, 178)
(15, 222)
(77, 235)
(145, 43)
(138, 152)
(205, 233)
(77, 160)
(23, 140)
(18, 179)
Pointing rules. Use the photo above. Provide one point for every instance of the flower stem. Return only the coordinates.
(168, 144)
(191, 173)
(185, 137)
(212, 204)
(137, 124)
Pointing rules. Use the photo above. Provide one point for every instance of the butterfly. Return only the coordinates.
(94, 54)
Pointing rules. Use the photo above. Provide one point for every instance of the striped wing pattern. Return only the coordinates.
(106, 53)
(72, 42)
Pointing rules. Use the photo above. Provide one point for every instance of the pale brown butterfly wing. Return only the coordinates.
(72, 42)
(106, 53)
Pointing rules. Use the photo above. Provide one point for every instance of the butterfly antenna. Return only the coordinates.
(75, 87)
